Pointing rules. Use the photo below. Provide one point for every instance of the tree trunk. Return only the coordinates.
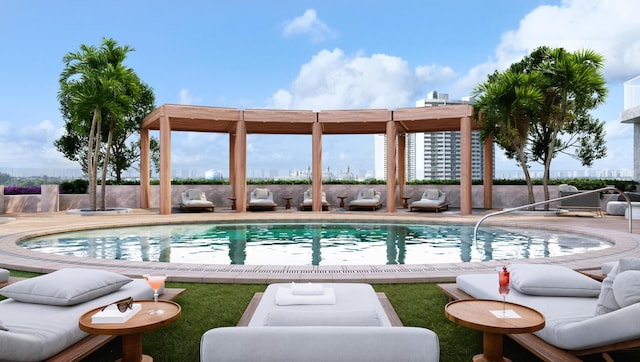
(91, 159)
(105, 167)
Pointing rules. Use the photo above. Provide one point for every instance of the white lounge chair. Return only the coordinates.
(366, 199)
(307, 201)
(261, 199)
(432, 199)
(195, 199)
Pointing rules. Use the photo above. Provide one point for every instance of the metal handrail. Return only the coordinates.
(608, 188)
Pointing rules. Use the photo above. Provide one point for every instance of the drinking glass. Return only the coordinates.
(503, 279)
(155, 280)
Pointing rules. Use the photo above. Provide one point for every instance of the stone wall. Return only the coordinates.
(504, 196)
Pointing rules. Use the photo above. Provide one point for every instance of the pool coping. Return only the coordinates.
(21, 226)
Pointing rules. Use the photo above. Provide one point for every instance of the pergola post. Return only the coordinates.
(232, 163)
(165, 165)
(145, 188)
(391, 166)
(316, 165)
(465, 166)
(240, 178)
(402, 162)
(488, 172)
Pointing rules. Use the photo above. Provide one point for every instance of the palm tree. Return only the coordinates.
(96, 83)
(504, 107)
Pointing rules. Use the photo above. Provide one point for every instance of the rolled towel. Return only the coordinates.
(284, 296)
(307, 289)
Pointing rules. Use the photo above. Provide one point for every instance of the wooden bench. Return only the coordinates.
(92, 343)
(436, 208)
(539, 347)
(386, 305)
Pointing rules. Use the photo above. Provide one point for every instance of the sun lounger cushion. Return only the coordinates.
(362, 318)
(432, 194)
(67, 286)
(4, 275)
(348, 297)
(194, 194)
(552, 280)
(38, 331)
(319, 344)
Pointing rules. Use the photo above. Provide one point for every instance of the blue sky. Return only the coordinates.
(297, 54)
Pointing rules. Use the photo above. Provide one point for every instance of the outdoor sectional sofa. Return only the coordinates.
(280, 326)
(39, 318)
(583, 316)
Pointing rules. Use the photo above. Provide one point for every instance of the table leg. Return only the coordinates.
(491, 349)
(132, 349)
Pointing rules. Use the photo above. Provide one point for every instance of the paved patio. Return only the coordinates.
(20, 226)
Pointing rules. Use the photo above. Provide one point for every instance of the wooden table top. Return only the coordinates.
(140, 322)
(476, 314)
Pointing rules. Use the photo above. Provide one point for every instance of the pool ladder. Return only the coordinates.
(608, 188)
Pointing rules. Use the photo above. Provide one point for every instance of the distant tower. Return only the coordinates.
(434, 155)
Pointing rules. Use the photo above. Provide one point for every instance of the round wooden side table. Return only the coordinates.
(131, 330)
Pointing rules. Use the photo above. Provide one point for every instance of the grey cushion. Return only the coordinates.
(195, 194)
(626, 288)
(362, 318)
(368, 194)
(67, 286)
(432, 194)
(606, 300)
(261, 193)
(552, 280)
(4, 275)
(633, 196)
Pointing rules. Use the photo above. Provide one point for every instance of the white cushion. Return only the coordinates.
(607, 301)
(290, 318)
(2, 327)
(626, 288)
(261, 193)
(433, 194)
(552, 280)
(67, 286)
(567, 188)
(368, 194)
(194, 194)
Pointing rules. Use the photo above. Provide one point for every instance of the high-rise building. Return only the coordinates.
(434, 155)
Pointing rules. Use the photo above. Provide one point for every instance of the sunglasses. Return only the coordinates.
(123, 304)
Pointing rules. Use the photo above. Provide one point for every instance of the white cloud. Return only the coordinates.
(333, 80)
(609, 27)
(309, 24)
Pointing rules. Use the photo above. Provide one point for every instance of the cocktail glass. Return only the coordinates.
(503, 279)
(155, 280)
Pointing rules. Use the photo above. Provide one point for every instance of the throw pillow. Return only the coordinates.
(2, 327)
(67, 286)
(626, 288)
(607, 301)
(262, 193)
(567, 188)
(194, 194)
(433, 194)
(368, 194)
(552, 280)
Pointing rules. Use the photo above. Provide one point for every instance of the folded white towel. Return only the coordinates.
(284, 296)
(307, 289)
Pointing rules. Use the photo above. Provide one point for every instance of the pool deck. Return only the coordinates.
(15, 227)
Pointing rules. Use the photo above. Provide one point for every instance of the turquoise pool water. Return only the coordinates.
(314, 243)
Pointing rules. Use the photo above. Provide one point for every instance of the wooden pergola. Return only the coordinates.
(395, 124)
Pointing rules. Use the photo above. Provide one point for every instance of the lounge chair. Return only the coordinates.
(432, 200)
(195, 200)
(307, 201)
(357, 324)
(261, 199)
(588, 202)
(583, 317)
(366, 199)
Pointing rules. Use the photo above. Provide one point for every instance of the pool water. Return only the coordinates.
(314, 243)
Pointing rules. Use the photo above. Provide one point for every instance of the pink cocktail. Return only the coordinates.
(503, 280)
(155, 280)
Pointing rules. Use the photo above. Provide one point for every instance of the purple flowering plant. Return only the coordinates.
(21, 190)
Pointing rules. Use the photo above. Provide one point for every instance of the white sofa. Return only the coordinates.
(581, 313)
(40, 317)
(195, 199)
(261, 199)
(431, 199)
(354, 328)
(366, 199)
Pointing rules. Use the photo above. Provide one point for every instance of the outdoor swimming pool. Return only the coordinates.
(313, 243)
